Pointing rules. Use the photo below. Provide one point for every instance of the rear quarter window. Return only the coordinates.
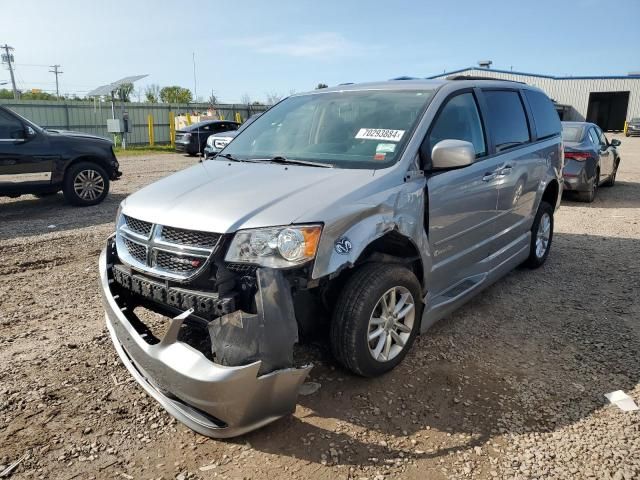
(544, 113)
(507, 119)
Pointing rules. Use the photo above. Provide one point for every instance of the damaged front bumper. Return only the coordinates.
(214, 400)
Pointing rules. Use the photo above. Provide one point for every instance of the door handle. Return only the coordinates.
(504, 171)
(489, 176)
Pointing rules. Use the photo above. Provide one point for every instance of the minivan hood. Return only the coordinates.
(222, 197)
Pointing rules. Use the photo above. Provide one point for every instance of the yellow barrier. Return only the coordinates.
(172, 128)
(188, 115)
(238, 117)
(626, 128)
(150, 127)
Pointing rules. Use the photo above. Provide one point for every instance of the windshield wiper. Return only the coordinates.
(293, 161)
(228, 156)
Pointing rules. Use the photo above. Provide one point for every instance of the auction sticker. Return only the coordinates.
(386, 148)
(380, 134)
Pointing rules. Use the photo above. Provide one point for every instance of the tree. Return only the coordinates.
(213, 100)
(245, 99)
(124, 91)
(176, 94)
(152, 93)
(273, 98)
(322, 85)
(37, 95)
(6, 94)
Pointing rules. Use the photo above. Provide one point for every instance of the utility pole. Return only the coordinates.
(195, 85)
(9, 58)
(56, 72)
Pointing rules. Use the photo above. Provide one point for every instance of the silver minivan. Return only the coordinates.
(366, 212)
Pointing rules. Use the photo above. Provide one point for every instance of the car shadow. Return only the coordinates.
(535, 352)
(29, 215)
(621, 195)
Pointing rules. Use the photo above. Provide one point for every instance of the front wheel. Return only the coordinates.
(85, 184)
(541, 236)
(376, 318)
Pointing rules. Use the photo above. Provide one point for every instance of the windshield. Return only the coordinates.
(571, 134)
(348, 129)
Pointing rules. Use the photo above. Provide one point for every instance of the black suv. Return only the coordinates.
(43, 162)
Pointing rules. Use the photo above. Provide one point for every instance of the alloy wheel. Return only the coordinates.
(391, 323)
(88, 184)
(543, 235)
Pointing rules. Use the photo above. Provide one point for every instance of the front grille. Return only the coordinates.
(174, 263)
(168, 252)
(191, 238)
(138, 226)
(136, 250)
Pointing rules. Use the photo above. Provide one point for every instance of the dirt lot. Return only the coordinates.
(510, 386)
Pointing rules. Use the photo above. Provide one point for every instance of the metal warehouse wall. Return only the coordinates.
(92, 117)
(570, 91)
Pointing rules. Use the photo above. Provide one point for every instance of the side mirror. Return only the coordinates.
(29, 132)
(615, 142)
(452, 154)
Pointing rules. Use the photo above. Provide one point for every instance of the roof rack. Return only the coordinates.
(476, 77)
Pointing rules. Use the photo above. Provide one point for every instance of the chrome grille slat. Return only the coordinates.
(164, 251)
(136, 250)
(192, 238)
(138, 226)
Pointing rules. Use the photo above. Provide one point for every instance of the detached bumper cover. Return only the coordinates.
(212, 399)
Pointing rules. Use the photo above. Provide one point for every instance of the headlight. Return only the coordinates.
(210, 140)
(275, 247)
(186, 136)
(220, 143)
(118, 215)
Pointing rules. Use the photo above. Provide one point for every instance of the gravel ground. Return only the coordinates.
(509, 386)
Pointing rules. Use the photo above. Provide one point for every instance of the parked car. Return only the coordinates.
(633, 127)
(382, 207)
(218, 141)
(193, 138)
(590, 160)
(43, 162)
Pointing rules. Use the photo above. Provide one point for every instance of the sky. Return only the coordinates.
(257, 48)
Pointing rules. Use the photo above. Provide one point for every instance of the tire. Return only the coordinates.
(85, 184)
(590, 195)
(538, 253)
(612, 179)
(359, 301)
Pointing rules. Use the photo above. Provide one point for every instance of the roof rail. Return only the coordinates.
(477, 77)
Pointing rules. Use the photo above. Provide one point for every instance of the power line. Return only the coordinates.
(56, 72)
(8, 57)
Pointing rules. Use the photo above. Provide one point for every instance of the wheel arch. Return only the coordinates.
(90, 159)
(551, 193)
(394, 247)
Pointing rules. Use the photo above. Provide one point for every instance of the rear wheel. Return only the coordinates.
(612, 179)
(541, 236)
(376, 318)
(85, 184)
(590, 195)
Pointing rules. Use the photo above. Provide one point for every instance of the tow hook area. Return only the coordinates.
(268, 336)
(257, 385)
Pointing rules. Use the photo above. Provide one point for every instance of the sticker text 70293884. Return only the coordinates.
(380, 134)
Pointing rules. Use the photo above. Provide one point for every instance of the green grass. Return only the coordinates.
(143, 150)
